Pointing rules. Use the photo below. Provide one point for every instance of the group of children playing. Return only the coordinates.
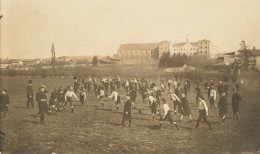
(148, 91)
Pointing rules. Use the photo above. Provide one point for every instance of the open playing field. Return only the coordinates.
(96, 130)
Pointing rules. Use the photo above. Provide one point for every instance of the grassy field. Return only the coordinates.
(94, 129)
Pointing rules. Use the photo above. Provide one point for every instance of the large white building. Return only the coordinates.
(202, 47)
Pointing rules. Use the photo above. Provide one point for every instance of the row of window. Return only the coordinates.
(126, 58)
(204, 52)
(204, 43)
(184, 49)
(128, 55)
(135, 52)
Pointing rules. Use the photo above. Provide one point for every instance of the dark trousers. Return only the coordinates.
(175, 104)
(203, 116)
(126, 117)
(82, 101)
(69, 100)
(43, 108)
(158, 101)
(235, 107)
(96, 92)
(30, 102)
(168, 116)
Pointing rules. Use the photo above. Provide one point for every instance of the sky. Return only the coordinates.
(98, 27)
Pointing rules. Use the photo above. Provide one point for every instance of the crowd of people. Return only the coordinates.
(150, 91)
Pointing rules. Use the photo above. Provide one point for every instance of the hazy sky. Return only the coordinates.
(87, 27)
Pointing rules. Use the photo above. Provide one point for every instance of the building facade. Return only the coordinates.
(137, 52)
(202, 48)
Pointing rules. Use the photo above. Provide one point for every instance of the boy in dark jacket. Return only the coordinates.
(4, 102)
(235, 103)
(41, 98)
(223, 107)
(127, 111)
(30, 95)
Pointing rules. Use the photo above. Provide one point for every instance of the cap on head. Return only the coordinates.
(163, 100)
(42, 87)
(60, 89)
(127, 96)
(30, 81)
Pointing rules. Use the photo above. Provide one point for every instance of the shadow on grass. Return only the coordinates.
(117, 112)
(19, 107)
(103, 109)
(31, 121)
(33, 115)
(186, 128)
(139, 118)
(115, 124)
(154, 127)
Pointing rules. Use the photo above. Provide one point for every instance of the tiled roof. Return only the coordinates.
(230, 54)
(251, 52)
(141, 46)
(183, 43)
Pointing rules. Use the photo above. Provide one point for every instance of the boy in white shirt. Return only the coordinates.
(101, 96)
(213, 97)
(167, 114)
(176, 102)
(203, 112)
(152, 102)
(115, 96)
(68, 98)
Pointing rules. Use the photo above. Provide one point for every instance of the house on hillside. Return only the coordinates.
(73, 62)
(63, 58)
(16, 63)
(229, 57)
(5, 65)
(31, 62)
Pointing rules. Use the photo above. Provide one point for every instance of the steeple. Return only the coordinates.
(188, 39)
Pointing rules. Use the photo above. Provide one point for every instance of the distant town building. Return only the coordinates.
(31, 62)
(229, 57)
(16, 63)
(5, 65)
(202, 48)
(64, 58)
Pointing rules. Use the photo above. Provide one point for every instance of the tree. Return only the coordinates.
(53, 58)
(245, 54)
(95, 61)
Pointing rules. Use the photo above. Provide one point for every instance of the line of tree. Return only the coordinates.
(95, 61)
(178, 60)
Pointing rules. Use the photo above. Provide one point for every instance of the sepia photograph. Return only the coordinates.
(129, 76)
